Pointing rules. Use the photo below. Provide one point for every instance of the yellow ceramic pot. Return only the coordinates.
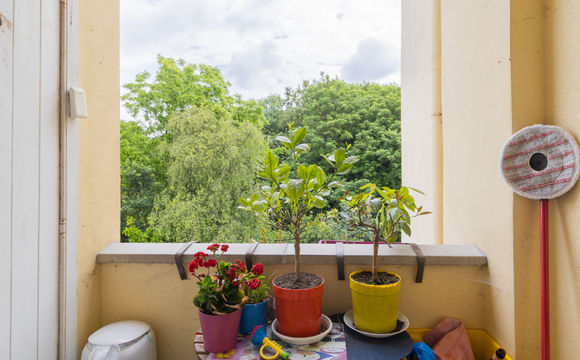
(375, 307)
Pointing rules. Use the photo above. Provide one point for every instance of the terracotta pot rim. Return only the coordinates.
(309, 289)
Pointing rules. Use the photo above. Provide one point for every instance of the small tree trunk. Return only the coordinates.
(297, 255)
(375, 256)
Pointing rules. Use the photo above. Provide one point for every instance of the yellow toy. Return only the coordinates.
(259, 338)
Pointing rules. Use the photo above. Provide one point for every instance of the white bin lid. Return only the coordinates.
(119, 333)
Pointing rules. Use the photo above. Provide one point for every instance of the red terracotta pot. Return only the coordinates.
(299, 311)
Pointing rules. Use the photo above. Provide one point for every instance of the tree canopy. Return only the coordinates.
(179, 86)
(192, 152)
(367, 116)
(211, 165)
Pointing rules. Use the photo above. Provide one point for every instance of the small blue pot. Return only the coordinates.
(252, 316)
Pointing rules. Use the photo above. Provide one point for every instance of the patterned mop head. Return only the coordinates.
(540, 162)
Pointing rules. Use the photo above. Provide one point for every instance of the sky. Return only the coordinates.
(264, 46)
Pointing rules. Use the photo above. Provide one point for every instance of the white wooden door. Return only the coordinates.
(29, 191)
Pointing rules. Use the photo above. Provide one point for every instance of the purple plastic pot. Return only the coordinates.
(220, 332)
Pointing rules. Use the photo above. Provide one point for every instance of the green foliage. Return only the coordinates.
(367, 116)
(179, 86)
(142, 180)
(383, 211)
(330, 226)
(218, 294)
(293, 192)
(211, 163)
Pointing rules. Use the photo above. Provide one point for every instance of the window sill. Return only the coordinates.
(318, 254)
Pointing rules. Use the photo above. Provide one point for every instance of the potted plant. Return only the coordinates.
(255, 288)
(220, 298)
(292, 193)
(375, 294)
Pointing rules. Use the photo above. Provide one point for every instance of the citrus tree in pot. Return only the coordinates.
(375, 294)
(292, 193)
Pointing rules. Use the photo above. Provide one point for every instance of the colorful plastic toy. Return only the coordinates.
(259, 337)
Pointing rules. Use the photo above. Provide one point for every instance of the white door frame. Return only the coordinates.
(68, 183)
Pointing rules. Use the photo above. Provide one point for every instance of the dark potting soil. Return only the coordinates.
(307, 281)
(383, 278)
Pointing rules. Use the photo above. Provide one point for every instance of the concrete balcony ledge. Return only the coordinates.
(315, 254)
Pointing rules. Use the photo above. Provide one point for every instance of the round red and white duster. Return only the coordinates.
(541, 162)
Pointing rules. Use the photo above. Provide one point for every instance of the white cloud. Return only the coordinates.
(263, 45)
(374, 60)
(255, 67)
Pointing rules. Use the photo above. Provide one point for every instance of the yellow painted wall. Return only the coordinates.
(562, 79)
(528, 108)
(475, 90)
(505, 65)
(421, 108)
(154, 293)
(99, 179)
(476, 99)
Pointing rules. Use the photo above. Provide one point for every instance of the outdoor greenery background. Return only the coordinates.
(192, 153)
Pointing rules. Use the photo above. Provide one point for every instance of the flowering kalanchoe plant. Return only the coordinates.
(219, 293)
(254, 284)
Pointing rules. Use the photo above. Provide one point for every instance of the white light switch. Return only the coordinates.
(78, 103)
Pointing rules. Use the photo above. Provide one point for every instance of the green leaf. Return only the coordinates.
(299, 135)
(406, 228)
(329, 160)
(335, 184)
(302, 148)
(343, 169)
(383, 194)
(283, 139)
(415, 190)
(320, 176)
(295, 189)
(319, 202)
(302, 172)
(339, 156)
(351, 160)
(270, 164)
(312, 171)
(283, 172)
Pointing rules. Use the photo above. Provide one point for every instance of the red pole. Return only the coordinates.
(545, 285)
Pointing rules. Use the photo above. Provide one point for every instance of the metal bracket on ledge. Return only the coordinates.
(340, 260)
(249, 254)
(179, 259)
(420, 262)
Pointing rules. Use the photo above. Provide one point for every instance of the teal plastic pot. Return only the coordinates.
(253, 315)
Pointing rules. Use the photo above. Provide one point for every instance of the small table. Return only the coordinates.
(341, 343)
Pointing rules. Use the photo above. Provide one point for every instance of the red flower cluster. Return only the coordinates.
(199, 260)
(258, 269)
(210, 263)
(232, 272)
(241, 266)
(214, 247)
(254, 284)
(225, 247)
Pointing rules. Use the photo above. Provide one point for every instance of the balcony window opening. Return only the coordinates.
(209, 88)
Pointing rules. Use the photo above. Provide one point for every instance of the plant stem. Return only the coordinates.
(375, 255)
(297, 253)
